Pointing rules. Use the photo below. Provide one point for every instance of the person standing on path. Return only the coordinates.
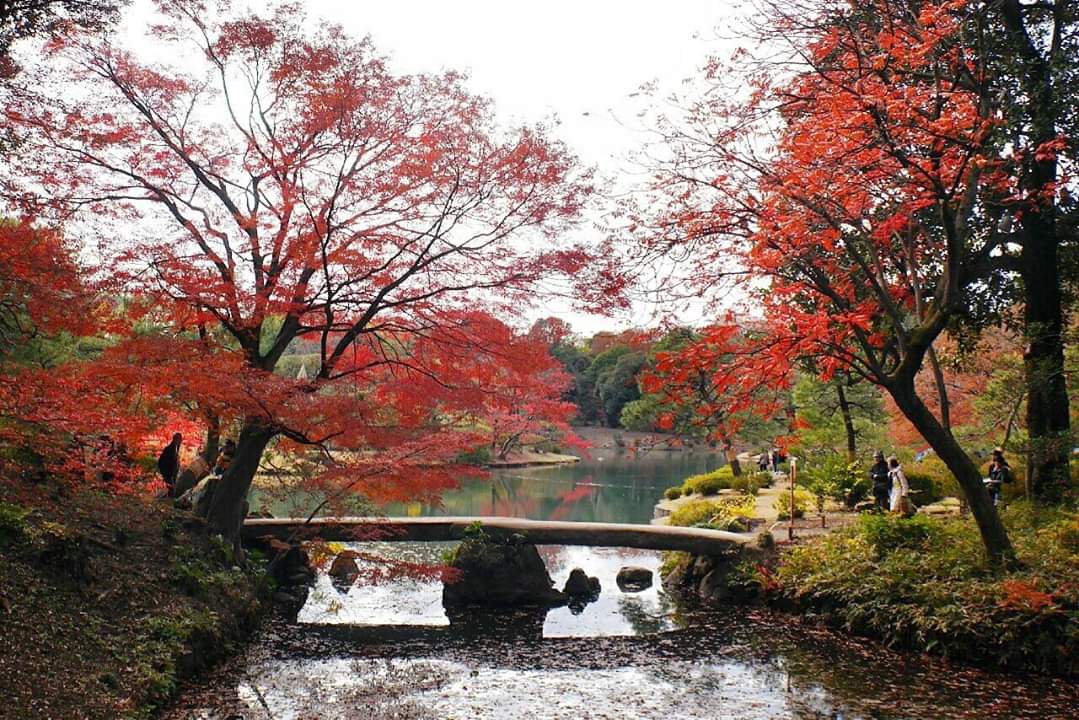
(899, 499)
(168, 462)
(881, 481)
(1000, 472)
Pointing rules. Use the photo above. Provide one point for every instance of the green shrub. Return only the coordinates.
(834, 477)
(13, 526)
(476, 456)
(764, 479)
(694, 513)
(673, 493)
(925, 584)
(715, 514)
(944, 483)
(886, 532)
(802, 499)
(723, 479)
(924, 489)
(708, 483)
(747, 484)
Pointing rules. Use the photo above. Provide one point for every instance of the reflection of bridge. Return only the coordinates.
(536, 532)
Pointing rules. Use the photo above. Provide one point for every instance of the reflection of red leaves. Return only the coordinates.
(1023, 595)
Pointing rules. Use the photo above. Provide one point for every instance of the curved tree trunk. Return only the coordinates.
(225, 508)
(994, 536)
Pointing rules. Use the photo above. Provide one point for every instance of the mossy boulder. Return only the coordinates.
(493, 574)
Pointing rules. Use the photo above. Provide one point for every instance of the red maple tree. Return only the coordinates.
(284, 185)
(863, 232)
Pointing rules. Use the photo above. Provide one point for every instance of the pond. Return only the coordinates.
(607, 487)
(388, 650)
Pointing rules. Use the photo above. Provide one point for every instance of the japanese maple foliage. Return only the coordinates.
(706, 390)
(870, 223)
(284, 183)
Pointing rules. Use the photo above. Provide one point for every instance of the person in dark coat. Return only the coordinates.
(881, 481)
(1000, 472)
(168, 462)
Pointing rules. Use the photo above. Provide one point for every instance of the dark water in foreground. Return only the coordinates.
(389, 652)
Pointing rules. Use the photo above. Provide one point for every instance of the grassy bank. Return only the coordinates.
(924, 584)
(107, 603)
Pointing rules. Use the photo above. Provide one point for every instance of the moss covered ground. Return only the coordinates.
(108, 603)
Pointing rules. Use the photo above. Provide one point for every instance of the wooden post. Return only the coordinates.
(794, 477)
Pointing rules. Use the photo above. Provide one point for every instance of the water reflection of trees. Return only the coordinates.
(644, 622)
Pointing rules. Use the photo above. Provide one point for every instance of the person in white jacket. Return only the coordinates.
(899, 501)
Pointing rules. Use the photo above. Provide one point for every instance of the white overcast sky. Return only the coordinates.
(579, 61)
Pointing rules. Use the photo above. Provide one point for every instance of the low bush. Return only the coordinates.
(716, 514)
(802, 500)
(723, 479)
(673, 493)
(930, 480)
(708, 483)
(476, 456)
(764, 478)
(885, 532)
(834, 477)
(925, 584)
(923, 488)
(13, 525)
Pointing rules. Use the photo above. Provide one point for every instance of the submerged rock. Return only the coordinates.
(497, 575)
(633, 578)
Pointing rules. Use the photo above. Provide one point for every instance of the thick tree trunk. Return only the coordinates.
(1048, 420)
(1044, 107)
(848, 423)
(225, 510)
(994, 537)
(732, 458)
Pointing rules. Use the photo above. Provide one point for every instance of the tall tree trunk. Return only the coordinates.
(732, 458)
(994, 537)
(848, 423)
(1048, 421)
(225, 511)
(212, 446)
(1048, 418)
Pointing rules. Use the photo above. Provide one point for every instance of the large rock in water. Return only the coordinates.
(580, 586)
(344, 569)
(633, 578)
(496, 575)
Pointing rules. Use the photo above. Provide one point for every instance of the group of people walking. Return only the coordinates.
(770, 460)
(891, 491)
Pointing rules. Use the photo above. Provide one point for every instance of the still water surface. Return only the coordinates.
(388, 651)
(608, 487)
